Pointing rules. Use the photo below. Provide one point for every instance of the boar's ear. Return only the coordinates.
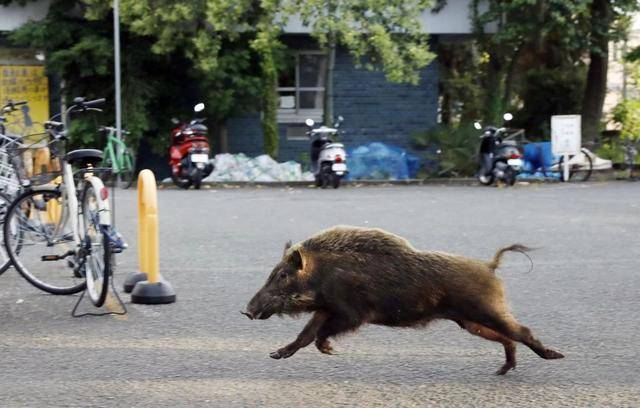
(296, 259)
(287, 245)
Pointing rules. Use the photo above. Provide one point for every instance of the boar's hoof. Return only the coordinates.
(505, 368)
(324, 347)
(282, 353)
(552, 354)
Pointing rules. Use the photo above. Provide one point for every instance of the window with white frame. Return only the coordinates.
(301, 88)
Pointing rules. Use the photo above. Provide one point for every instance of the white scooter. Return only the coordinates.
(328, 159)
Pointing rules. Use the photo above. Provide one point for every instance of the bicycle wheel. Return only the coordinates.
(40, 243)
(5, 261)
(128, 172)
(578, 170)
(96, 253)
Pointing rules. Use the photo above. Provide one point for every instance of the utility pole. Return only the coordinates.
(116, 49)
(116, 52)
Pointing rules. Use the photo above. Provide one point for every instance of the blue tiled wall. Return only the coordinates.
(373, 109)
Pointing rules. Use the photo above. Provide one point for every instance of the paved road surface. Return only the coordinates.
(219, 245)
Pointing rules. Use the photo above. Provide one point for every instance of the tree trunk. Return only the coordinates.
(221, 132)
(508, 82)
(596, 88)
(445, 73)
(493, 94)
(328, 81)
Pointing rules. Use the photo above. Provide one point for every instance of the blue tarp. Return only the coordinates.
(381, 161)
(538, 160)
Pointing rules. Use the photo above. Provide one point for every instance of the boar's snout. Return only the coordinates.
(258, 308)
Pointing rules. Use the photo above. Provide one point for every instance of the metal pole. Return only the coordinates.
(116, 51)
(116, 47)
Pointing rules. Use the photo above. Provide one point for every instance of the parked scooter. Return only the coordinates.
(500, 159)
(189, 152)
(328, 159)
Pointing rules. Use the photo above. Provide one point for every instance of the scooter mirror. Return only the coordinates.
(309, 122)
(199, 107)
(340, 119)
(507, 117)
(175, 121)
(477, 125)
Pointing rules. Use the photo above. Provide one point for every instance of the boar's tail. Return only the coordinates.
(495, 262)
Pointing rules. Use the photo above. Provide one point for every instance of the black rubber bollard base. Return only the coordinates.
(132, 279)
(146, 293)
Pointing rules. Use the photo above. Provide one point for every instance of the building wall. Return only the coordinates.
(373, 110)
(452, 19)
(15, 15)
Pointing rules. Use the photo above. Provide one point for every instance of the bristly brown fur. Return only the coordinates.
(350, 276)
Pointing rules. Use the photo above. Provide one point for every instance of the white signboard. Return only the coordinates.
(566, 134)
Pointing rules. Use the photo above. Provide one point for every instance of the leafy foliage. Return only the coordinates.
(449, 151)
(80, 55)
(383, 35)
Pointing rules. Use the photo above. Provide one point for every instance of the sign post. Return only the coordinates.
(566, 138)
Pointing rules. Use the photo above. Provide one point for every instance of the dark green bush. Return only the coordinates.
(448, 151)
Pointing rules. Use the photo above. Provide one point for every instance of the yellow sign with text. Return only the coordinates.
(25, 83)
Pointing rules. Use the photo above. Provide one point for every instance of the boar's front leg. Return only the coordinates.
(334, 326)
(306, 337)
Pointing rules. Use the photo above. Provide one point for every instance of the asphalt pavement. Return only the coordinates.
(218, 246)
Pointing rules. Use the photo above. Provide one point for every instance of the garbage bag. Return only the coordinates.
(381, 161)
(239, 167)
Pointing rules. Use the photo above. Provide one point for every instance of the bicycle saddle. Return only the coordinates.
(84, 157)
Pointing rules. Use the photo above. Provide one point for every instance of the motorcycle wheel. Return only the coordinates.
(325, 175)
(510, 176)
(197, 180)
(335, 180)
(180, 182)
(318, 180)
(486, 180)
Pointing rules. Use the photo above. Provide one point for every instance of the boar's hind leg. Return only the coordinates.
(306, 336)
(334, 326)
(486, 333)
(508, 326)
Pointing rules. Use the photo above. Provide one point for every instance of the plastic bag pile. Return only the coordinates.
(380, 161)
(239, 167)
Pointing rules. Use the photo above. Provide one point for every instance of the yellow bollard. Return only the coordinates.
(148, 253)
(38, 161)
(153, 290)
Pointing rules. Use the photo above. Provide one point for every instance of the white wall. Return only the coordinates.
(452, 19)
(13, 16)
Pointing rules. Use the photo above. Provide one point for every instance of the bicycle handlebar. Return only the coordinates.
(10, 106)
(95, 102)
(112, 129)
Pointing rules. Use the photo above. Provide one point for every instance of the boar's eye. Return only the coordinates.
(282, 274)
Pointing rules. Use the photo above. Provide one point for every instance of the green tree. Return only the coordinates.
(522, 35)
(606, 24)
(215, 37)
(80, 57)
(378, 34)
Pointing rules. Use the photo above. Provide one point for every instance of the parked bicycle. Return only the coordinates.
(118, 157)
(59, 236)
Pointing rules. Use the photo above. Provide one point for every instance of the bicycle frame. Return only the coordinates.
(114, 150)
(71, 199)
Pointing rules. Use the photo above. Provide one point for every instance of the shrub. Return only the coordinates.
(449, 151)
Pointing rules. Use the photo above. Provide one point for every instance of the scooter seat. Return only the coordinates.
(84, 157)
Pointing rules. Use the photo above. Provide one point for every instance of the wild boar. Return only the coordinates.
(349, 276)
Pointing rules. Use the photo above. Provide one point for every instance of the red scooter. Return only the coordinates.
(189, 152)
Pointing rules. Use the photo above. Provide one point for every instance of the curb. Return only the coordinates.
(600, 176)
